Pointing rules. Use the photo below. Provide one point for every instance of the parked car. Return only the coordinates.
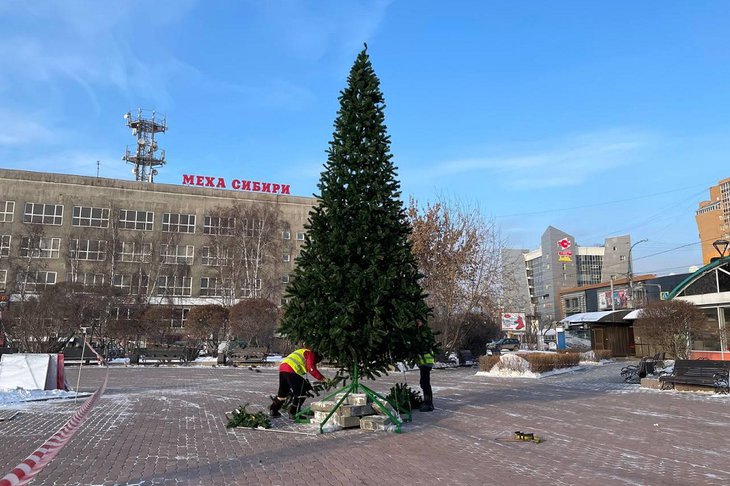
(504, 344)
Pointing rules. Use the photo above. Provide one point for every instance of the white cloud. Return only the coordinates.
(21, 129)
(312, 30)
(569, 162)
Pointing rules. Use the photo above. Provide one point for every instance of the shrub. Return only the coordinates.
(603, 354)
(544, 362)
(487, 362)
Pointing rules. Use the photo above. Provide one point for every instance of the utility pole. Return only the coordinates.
(631, 274)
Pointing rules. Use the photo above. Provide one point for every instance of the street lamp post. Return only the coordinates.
(721, 247)
(631, 274)
(643, 286)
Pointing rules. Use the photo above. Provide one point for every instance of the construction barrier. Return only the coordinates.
(34, 463)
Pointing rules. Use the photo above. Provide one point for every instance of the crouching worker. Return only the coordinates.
(292, 383)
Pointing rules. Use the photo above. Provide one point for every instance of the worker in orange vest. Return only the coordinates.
(292, 371)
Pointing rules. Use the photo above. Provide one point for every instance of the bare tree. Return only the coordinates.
(458, 252)
(244, 251)
(208, 323)
(156, 323)
(668, 326)
(255, 321)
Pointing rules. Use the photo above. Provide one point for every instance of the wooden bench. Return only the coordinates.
(648, 365)
(72, 355)
(700, 372)
(161, 354)
(247, 355)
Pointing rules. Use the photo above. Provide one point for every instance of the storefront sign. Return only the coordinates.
(564, 255)
(236, 184)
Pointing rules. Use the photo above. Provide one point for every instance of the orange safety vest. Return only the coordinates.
(297, 361)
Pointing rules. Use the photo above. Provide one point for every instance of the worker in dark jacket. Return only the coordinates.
(425, 364)
(292, 383)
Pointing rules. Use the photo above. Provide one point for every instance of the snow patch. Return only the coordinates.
(21, 395)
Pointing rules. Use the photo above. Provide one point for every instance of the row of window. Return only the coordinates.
(95, 250)
(166, 285)
(83, 216)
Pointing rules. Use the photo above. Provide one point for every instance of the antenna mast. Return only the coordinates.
(143, 158)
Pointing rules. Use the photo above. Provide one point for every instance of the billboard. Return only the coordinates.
(620, 299)
(514, 322)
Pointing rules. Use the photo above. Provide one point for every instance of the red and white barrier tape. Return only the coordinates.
(99, 358)
(32, 465)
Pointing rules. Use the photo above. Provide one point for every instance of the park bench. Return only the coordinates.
(161, 354)
(247, 355)
(72, 355)
(648, 365)
(700, 372)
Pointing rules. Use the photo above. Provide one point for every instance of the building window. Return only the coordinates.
(131, 284)
(214, 225)
(40, 247)
(129, 251)
(179, 316)
(285, 257)
(174, 285)
(285, 279)
(284, 301)
(178, 223)
(252, 228)
(7, 210)
(215, 287)
(33, 281)
(43, 214)
(286, 235)
(5, 245)
(90, 217)
(136, 220)
(622, 258)
(214, 257)
(250, 286)
(300, 236)
(88, 250)
(3, 278)
(86, 279)
(177, 254)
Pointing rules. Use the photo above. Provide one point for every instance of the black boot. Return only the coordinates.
(296, 406)
(275, 407)
(427, 405)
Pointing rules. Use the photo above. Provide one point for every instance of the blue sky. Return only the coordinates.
(600, 118)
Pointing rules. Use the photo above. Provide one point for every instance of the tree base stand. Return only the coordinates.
(378, 400)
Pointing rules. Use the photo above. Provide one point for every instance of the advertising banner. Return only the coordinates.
(620, 299)
(514, 322)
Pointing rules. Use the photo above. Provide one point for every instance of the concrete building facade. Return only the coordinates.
(536, 277)
(713, 219)
(159, 240)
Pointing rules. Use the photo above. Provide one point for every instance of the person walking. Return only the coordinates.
(292, 383)
(425, 364)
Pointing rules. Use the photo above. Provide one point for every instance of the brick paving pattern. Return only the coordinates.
(167, 426)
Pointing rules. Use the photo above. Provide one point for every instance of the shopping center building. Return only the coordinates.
(536, 277)
(169, 244)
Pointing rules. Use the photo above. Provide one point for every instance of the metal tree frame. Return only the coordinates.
(355, 387)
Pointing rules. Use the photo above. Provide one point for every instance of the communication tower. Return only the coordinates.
(143, 158)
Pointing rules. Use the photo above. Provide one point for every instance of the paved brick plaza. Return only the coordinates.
(166, 426)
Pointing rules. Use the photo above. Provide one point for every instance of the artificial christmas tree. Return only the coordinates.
(355, 296)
